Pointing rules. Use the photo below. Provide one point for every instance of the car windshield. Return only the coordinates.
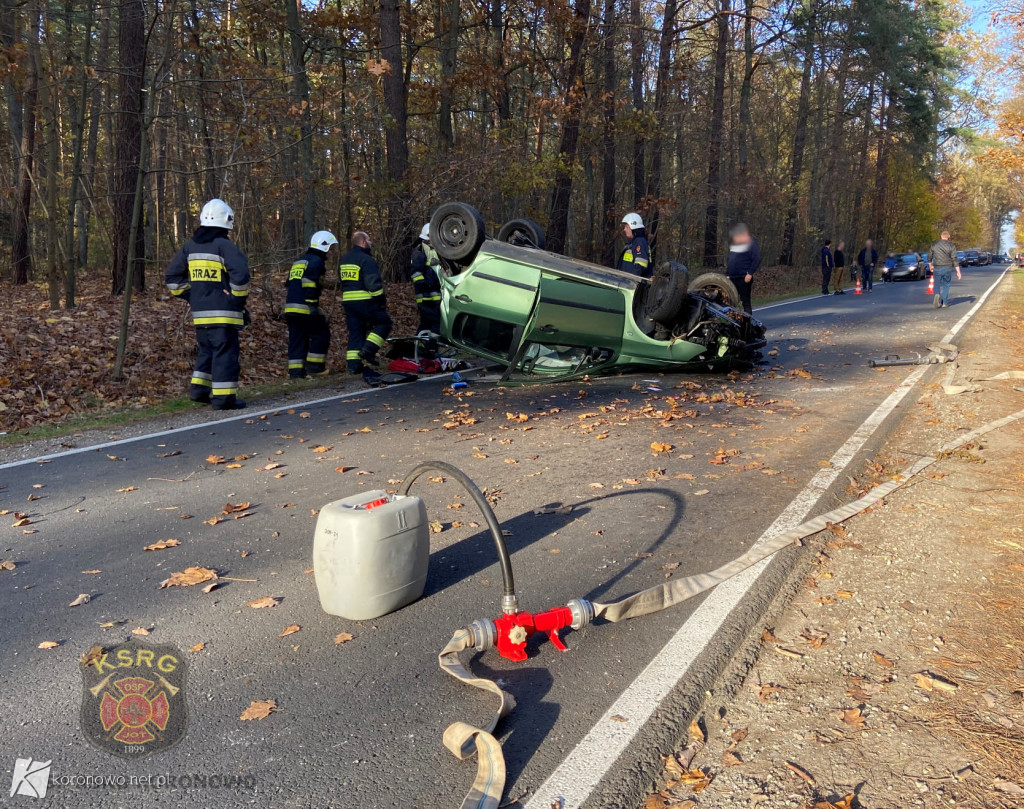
(908, 258)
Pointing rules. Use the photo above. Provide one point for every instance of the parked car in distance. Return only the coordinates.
(1000, 258)
(927, 265)
(549, 317)
(960, 257)
(984, 258)
(972, 258)
(909, 267)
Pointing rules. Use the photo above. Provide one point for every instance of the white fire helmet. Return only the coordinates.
(634, 221)
(322, 240)
(217, 214)
(425, 233)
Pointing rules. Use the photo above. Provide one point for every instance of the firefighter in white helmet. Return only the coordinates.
(426, 283)
(636, 258)
(309, 334)
(212, 274)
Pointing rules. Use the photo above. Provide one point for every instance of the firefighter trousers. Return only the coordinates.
(368, 326)
(430, 316)
(215, 376)
(309, 337)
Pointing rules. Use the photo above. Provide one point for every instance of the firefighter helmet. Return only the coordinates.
(634, 221)
(322, 240)
(217, 214)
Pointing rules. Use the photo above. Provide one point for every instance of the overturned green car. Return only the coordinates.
(548, 317)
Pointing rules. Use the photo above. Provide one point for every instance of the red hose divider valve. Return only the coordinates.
(513, 630)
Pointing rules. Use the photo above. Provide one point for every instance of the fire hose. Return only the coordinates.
(508, 634)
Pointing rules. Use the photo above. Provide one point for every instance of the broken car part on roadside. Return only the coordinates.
(938, 353)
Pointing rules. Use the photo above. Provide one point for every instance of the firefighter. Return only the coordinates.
(366, 316)
(309, 335)
(426, 283)
(212, 274)
(636, 258)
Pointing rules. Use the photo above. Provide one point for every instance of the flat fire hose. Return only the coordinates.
(462, 738)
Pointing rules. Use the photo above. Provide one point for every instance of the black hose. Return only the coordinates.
(485, 508)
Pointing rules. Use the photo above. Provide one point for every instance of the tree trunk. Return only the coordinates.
(558, 228)
(9, 36)
(746, 91)
(48, 102)
(714, 175)
(396, 139)
(131, 46)
(22, 250)
(88, 183)
(665, 47)
(498, 57)
(799, 143)
(608, 137)
(878, 230)
(448, 32)
(636, 55)
(77, 148)
(300, 88)
(863, 174)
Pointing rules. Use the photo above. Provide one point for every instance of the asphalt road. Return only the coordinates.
(359, 724)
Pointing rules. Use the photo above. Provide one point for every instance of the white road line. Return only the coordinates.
(243, 414)
(789, 302)
(581, 771)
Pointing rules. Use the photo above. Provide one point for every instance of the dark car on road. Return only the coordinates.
(984, 258)
(548, 317)
(909, 267)
(972, 258)
(960, 257)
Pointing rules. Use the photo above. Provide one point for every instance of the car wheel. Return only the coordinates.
(716, 288)
(456, 231)
(667, 293)
(524, 232)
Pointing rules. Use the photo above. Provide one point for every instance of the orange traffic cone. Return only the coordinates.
(931, 284)
(857, 290)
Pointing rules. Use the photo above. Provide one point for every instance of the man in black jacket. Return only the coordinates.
(866, 260)
(366, 316)
(309, 334)
(212, 274)
(827, 265)
(839, 257)
(744, 261)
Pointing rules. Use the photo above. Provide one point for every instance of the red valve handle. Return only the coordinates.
(513, 630)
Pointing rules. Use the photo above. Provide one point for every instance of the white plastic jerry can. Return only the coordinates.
(370, 554)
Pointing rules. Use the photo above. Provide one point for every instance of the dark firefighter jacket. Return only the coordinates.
(305, 281)
(212, 274)
(360, 277)
(636, 258)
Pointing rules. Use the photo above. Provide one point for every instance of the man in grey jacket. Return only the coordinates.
(943, 261)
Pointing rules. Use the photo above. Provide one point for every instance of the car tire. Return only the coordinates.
(456, 232)
(716, 288)
(524, 232)
(667, 293)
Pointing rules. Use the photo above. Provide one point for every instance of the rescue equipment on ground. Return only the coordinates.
(938, 353)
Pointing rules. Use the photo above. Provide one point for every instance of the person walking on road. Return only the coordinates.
(309, 334)
(212, 274)
(839, 257)
(866, 260)
(366, 315)
(744, 261)
(828, 264)
(636, 258)
(943, 261)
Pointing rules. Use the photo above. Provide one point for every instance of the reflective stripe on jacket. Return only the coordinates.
(305, 281)
(636, 258)
(425, 282)
(213, 276)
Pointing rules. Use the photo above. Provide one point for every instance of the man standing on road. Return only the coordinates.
(837, 274)
(212, 274)
(366, 316)
(866, 260)
(828, 264)
(636, 258)
(744, 260)
(943, 261)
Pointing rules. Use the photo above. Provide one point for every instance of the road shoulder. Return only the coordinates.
(893, 677)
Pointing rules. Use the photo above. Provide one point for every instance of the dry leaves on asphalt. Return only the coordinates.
(197, 648)
(263, 603)
(932, 682)
(659, 447)
(216, 459)
(140, 630)
(49, 644)
(259, 709)
(7, 564)
(163, 544)
(882, 660)
(289, 630)
(189, 576)
(94, 654)
(235, 508)
(128, 489)
(83, 598)
(854, 718)
(343, 637)
(843, 803)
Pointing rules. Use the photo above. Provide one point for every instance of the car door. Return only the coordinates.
(575, 328)
(487, 306)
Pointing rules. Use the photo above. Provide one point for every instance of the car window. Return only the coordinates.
(492, 336)
(909, 257)
(549, 361)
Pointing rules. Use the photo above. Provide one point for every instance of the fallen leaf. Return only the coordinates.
(94, 653)
(322, 448)
(768, 692)
(140, 630)
(1007, 787)
(21, 522)
(843, 803)
(932, 682)
(83, 598)
(211, 587)
(49, 644)
(163, 544)
(695, 732)
(343, 469)
(882, 660)
(739, 735)
(268, 467)
(836, 529)
(436, 527)
(7, 564)
(844, 593)
(259, 709)
(796, 769)
(261, 603)
(343, 637)
(91, 572)
(189, 576)
(197, 648)
(233, 466)
(658, 447)
(518, 417)
(128, 489)
(853, 717)
(235, 508)
(289, 630)
(730, 759)
(169, 454)
(213, 520)
(215, 459)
